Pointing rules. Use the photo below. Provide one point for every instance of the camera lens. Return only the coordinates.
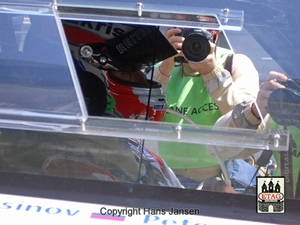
(195, 47)
(283, 106)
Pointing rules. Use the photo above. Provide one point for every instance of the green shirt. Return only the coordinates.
(188, 96)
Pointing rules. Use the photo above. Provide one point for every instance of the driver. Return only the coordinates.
(109, 59)
(118, 54)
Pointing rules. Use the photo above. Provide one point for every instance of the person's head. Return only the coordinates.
(117, 54)
(198, 43)
(129, 96)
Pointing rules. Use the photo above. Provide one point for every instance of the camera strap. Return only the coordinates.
(228, 63)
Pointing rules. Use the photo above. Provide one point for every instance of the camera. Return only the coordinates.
(196, 46)
(284, 104)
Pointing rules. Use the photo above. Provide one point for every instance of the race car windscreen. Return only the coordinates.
(97, 75)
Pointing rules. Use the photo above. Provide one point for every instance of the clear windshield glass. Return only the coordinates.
(84, 94)
(35, 77)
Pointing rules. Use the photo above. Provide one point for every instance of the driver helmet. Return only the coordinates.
(111, 60)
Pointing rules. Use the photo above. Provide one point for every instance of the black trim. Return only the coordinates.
(154, 84)
(214, 204)
(228, 63)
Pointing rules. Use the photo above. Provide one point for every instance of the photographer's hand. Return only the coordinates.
(168, 64)
(266, 88)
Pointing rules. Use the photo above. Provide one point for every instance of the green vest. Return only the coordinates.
(188, 96)
(288, 162)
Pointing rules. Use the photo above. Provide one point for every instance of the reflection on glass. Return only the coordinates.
(34, 69)
(83, 157)
(111, 61)
(21, 25)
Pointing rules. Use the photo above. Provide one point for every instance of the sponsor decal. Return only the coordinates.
(103, 30)
(111, 104)
(28, 207)
(211, 19)
(107, 217)
(270, 194)
(32, 210)
(159, 107)
(194, 111)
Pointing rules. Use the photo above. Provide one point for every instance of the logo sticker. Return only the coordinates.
(270, 194)
(107, 217)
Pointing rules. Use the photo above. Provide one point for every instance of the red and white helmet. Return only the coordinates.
(112, 52)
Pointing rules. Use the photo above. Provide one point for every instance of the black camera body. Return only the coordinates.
(284, 104)
(196, 46)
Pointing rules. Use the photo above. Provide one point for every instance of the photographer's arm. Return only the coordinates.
(244, 119)
(162, 73)
(246, 115)
(227, 89)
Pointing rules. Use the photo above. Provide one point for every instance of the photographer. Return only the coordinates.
(277, 103)
(203, 91)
